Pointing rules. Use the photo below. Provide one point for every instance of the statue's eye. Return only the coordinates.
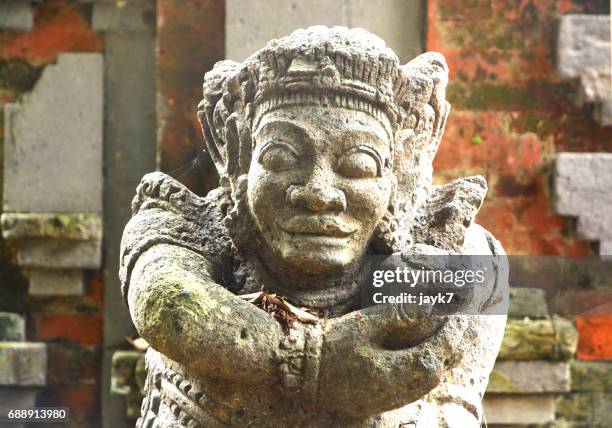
(278, 158)
(359, 163)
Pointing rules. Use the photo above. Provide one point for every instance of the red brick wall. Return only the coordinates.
(511, 114)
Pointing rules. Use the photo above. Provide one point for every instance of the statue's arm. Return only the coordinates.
(178, 308)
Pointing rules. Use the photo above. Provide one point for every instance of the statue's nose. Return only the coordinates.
(317, 196)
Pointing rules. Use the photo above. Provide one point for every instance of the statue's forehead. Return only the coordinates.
(314, 119)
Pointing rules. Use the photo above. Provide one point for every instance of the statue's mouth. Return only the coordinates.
(318, 225)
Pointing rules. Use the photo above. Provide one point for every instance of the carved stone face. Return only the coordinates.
(319, 183)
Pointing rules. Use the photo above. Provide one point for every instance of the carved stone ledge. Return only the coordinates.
(583, 52)
(71, 226)
(582, 189)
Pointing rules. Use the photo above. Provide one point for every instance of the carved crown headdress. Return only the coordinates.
(336, 67)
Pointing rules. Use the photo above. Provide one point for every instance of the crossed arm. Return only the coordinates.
(179, 309)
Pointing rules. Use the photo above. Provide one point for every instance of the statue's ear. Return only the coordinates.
(215, 149)
(427, 108)
(238, 145)
(219, 102)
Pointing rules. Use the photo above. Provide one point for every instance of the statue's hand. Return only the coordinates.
(380, 359)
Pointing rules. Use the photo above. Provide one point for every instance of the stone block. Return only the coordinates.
(53, 140)
(583, 41)
(77, 226)
(538, 340)
(508, 409)
(527, 302)
(56, 254)
(15, 15)
(529, 377)
(602, 412)
(582, 185)
(583, 51)
(128, 17)
(23, 364)
(55, 282)
(248, 28)
(12, 327)
(591, 375)
(575, 407)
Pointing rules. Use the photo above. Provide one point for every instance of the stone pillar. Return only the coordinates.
(53, 175)
(129, 152)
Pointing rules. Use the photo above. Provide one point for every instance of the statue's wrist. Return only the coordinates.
(300, 360)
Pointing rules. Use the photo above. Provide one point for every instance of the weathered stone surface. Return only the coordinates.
(591, 375)
(539, 340)
(527, 302)
(582, 189)
(12, 327)
(585, 410)
(519, 409)
(55, 282)
(247, 27)
(575, 407)
(77, 226)
(16, 14)
(23, 364)
(583, 51)
(53, 140)
(324, 144)
(529, 377)
(134, 16)
(59, 254)
(602, 415)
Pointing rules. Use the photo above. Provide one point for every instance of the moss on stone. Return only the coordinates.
(538, 340)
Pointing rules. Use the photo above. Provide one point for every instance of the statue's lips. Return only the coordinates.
(318, 226)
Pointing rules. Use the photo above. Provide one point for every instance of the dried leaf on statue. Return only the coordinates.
(279, 308)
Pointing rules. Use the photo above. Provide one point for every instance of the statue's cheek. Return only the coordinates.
(368, 198)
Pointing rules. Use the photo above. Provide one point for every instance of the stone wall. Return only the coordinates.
(514, 111)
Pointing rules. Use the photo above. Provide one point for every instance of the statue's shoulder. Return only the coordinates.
(164, 211)
(449, 213)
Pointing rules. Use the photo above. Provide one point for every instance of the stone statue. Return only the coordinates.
(324, 146)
